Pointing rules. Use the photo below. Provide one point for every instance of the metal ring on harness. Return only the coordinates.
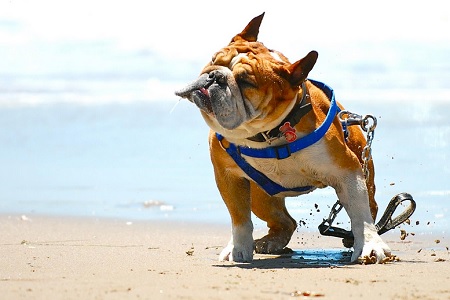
(369, 123)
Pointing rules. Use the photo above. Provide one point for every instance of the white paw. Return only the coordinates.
(240, 247)
(372, 246)
(237, 254)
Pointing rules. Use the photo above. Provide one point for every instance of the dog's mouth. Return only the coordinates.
(205, 99)
(218, 96)
(198, 93)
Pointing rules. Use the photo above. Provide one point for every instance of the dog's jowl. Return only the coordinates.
(274, 133)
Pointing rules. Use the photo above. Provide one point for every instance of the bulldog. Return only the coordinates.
(261, 108)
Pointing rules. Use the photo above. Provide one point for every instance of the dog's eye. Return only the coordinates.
(244, 79)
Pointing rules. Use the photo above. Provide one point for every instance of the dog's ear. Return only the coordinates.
(299, 70)
(250, 32)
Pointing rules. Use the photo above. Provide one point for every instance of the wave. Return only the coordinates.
(37, 92)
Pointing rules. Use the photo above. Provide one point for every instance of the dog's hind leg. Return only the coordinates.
(273, 211)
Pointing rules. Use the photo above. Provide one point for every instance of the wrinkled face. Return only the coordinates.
(238, 84)
(245, 85)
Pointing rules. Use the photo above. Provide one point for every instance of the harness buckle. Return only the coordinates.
(282, 152)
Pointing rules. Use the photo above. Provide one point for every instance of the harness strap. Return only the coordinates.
(283, 151)
(271, 188)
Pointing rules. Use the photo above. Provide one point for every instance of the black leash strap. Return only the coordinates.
(385, 224)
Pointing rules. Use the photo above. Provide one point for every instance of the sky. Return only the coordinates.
(181, 36)
(140, 23)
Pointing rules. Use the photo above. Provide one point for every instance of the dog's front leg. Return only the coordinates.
(235, 192)
(240, 247)
(236, 195)
(354, 197)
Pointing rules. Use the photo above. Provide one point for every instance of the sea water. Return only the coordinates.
(142, 161)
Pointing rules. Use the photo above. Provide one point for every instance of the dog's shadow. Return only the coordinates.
(309, 258)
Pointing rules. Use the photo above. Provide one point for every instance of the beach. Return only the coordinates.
(50, 257)
(107, 188)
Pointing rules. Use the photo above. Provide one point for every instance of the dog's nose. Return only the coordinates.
(217, 77)
(211, 78)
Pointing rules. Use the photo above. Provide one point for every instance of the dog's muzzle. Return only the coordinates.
(198, 93)
(217, 94)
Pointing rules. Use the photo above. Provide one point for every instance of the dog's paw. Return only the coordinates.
(237, 253)
(373, 249)
(270, 244)
(372, 252)
(240, 247)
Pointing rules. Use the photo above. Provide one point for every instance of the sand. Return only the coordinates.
(89, 258)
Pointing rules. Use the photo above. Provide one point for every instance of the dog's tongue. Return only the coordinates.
(206, 101)
(204, 92)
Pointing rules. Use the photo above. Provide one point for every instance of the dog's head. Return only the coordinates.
(247, 87)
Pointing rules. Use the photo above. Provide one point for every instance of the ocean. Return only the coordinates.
(151, 161)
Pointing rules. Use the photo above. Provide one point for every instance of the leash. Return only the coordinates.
(385, 224)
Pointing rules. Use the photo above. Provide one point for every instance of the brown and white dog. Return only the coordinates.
(248, 90)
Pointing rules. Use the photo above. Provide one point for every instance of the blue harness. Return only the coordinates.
(283, 151)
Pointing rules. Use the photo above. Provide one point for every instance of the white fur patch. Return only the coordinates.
(297, 170)
(276, 56)
(236, 59)
(240, 247)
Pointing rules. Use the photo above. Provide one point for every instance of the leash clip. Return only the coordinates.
(326, 229)
(349, 119)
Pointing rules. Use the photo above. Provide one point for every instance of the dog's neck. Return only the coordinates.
(300, 109)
